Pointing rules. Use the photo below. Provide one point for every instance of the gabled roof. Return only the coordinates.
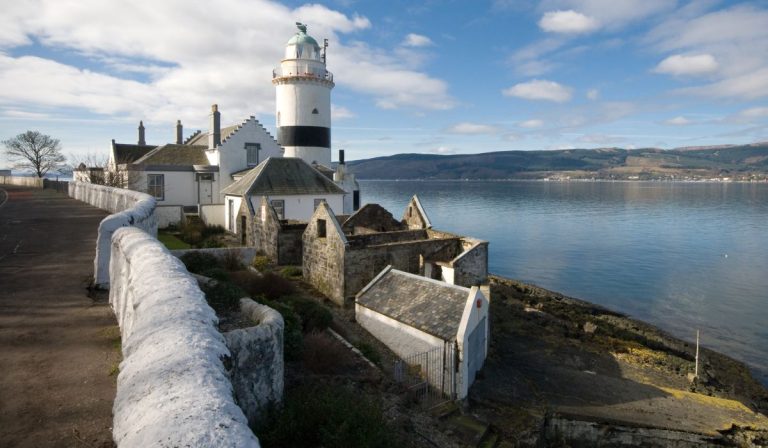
(429, 305)
(173, 154)
(125, 153)
(282, 175)
(202, 138)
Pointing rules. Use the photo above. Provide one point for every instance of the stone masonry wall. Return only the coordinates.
(128, 208)
(323, 257)
(371, 218)
(173, 388)
(471, 266)
(374, 239)
(289, 244)
(257, 367)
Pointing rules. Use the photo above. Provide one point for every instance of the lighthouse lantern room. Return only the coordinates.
(303, 99)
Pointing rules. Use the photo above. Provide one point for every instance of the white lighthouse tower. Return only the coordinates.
(303, 100)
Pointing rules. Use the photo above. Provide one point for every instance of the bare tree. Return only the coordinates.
(34, 150)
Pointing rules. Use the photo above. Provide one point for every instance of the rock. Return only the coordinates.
(589, 327)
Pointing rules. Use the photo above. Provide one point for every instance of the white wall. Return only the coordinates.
(22, 181)
(173, 388)
(168, 214)
(128, 207)
(180, 186)
(232, 155)
(302, 207)
(236, 201)
(469, 320)
(402, 339)
(213, 215)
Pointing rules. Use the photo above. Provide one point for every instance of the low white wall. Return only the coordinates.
(173, 388)
(257, 369)
(22, 181)
(128, 208)
(168, 214)
(213, 215)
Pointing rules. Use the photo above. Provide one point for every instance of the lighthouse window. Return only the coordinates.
(314, 111)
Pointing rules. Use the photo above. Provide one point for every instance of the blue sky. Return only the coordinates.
(442, 77)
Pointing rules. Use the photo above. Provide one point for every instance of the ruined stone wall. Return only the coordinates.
(257, 367)
(363, 264)
(371, 218)
(173, 388)
(263, 230)
(375, 239)
(289, 243)
(470, 268)
(323, 257)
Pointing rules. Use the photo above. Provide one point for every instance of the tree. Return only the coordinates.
(34, 150)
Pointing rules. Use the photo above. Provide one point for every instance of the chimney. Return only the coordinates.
(341, 157)
(339, 175)
(179, 133)
(141, 134)
(214, 131)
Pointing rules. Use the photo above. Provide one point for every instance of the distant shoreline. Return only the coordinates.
(669, 181)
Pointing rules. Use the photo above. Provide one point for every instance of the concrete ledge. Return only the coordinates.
(128, 208)
(257, 370)
(173, 388)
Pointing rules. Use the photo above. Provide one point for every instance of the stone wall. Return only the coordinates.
(257, 368)
(323, 265)
(128, 208)
(278, 240)
(22, 181)
(173, 388)
(375, 239)
(470, 268)
(369, 219)
(289, 244)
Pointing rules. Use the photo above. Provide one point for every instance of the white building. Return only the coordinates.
(414, 315)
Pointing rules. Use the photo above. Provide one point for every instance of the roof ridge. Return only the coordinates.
(194, 134)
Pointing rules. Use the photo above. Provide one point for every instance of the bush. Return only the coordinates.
(208, 231)
(314, 316)
(369, 352)
(212, 243)
(223, 296)
(315, 415)
(291, 271)
(269, 285)
(260, 262)
(292, 336)
(198, 262)
(217, 274)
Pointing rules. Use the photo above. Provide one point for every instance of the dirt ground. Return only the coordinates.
(59, 349)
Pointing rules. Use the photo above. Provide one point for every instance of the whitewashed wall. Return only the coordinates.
(471, 317)
(22, 181)
(232, 156)
(180, 186)
(168, 214)
(213, 215)
(128, 208)
(173, 388)
(302, 207)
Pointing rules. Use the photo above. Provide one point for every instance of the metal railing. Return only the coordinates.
(302, 72)
(430, 376)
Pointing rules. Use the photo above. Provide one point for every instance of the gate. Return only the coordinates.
(430, 376)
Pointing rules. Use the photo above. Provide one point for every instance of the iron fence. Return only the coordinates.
(430, 376)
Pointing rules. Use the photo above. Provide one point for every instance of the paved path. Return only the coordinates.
(58, 348)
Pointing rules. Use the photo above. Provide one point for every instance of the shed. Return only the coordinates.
(416, 316)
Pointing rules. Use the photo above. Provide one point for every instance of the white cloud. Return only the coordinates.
(417, 40)
(540, 89)
(611, 14)
(593, 94)
(530, 124)
(442, 150)
(749, 86)
(568, 22)
(180, 62)
(472, 128)
(754, 112)
(680, 64)
(340, 113)
(678, 121)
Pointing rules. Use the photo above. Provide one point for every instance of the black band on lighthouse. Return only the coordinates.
(304, 136)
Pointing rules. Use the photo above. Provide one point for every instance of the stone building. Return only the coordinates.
(340, 259)
(414, 315)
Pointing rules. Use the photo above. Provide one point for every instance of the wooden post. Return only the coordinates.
(696, 373)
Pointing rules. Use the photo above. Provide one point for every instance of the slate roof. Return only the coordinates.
(431, 306)
(202, 138)
(125, 153)
(282, 175)
(173, 154)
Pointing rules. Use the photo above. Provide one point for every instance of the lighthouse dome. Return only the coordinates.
(302, 45)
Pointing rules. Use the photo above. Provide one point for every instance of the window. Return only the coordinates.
(279, 206)
(356, 200)
(317, 203)
(321, 228)
(252, 153)
(205, 176)
(314, 111)
(156, 186)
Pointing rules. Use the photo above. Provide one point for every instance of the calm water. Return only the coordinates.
(681, 256)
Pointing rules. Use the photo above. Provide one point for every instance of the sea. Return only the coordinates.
(682, 256)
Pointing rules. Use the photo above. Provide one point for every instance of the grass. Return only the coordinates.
(171, 241)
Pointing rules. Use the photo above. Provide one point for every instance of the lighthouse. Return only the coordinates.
(303, 100)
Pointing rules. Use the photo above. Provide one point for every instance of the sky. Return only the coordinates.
(441, 77)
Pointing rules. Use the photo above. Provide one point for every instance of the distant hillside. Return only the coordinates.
(733, 161)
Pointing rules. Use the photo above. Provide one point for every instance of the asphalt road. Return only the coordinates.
(58, 348)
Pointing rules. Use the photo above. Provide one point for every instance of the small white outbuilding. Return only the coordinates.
(416, 315)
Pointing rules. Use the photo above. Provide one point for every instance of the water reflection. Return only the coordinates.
(682, 256)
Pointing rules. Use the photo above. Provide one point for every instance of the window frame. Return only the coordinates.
(153, 186)
(279, 206)
(252, 148)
